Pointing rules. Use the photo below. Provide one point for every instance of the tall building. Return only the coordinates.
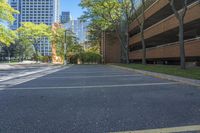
(65, 17)
(79, 28)
(15, 4)
(37, 11)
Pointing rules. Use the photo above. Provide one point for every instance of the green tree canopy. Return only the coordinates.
(6, 12)
(7, 36)
(58, 37)
(33, 33)
(112, 15)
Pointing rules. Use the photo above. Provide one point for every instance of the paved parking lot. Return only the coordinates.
(98, 99)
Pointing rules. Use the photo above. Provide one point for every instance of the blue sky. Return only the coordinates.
(72, 6)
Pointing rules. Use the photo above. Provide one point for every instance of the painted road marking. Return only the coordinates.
(96, 86)
(101, 76)
(95, 72)
(166, 130)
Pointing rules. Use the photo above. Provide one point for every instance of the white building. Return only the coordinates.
(79, 28)
(37, 11)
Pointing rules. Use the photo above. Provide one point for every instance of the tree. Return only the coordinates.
(93, 47)
(94, 38)
(125, 20)
(24, 46)
(34, 33)
(94, 31)
(139, 16)
(7, 36)
(180, 15)
(110, 15)
(58, 37)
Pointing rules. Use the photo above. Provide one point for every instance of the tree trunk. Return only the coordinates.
(8, 51)
(125, 53)
(125, 41)
(36, 50)
(37, 58)
(143, 44)
(36, 53)
(22, 54)
(124, 47)
(180, 16)
(181, 41)
(127, 44)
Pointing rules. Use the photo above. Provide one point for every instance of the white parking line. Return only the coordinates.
(91, 72)
(166, 130)
(96, 86)
(101, 76)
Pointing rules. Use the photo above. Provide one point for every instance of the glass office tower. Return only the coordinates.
(37, 11)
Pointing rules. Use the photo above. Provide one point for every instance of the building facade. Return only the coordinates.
(161, 33)
(110, 48)
(78, 28)
(16, 5)
(37, 11)
(56, 59)
(65, 17)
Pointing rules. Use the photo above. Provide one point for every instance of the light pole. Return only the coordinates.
(65, 48)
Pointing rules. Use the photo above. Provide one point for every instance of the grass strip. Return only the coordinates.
(193, 73)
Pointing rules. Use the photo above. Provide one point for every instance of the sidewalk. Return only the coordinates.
(11, 71)
(163, 76)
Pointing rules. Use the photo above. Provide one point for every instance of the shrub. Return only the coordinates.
(90, 57)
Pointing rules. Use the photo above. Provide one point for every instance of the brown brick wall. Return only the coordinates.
(150, 11)
(168, 24)
(110, 48)
(192, 49)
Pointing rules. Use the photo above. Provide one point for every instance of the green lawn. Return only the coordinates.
(193, 73)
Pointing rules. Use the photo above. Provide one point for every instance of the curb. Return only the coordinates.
(163, 76)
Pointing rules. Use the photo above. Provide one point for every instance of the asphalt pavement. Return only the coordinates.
(97, 99)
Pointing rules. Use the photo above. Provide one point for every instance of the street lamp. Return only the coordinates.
(65, 48)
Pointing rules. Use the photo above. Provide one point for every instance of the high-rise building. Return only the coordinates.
(78, 28)
(15, 4)
(65, 17)
(37, 11)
